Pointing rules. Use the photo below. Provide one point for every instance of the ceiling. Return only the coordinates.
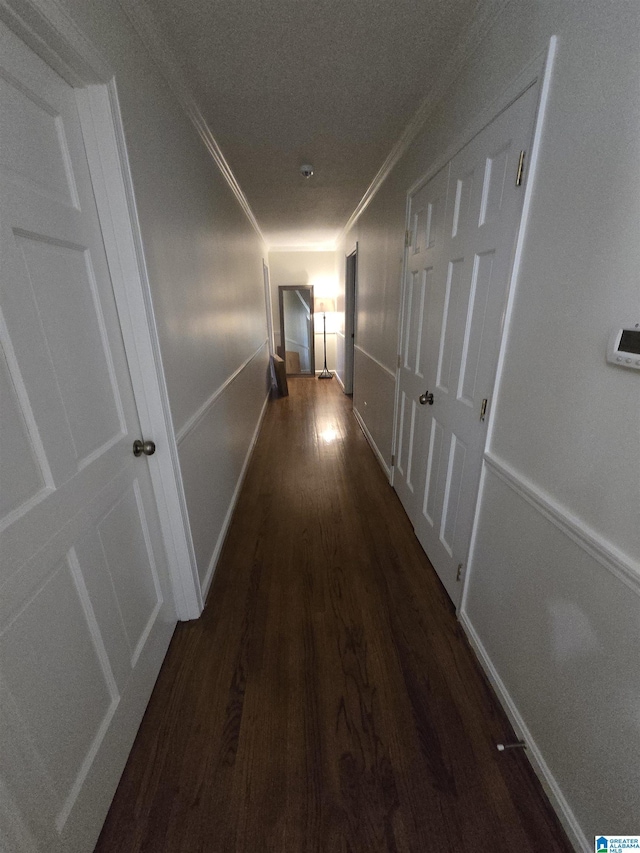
(327, 82)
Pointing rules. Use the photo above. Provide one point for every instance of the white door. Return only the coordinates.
(86, 610)
(452, 331)
(421, 313)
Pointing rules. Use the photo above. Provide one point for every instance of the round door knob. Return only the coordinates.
(426, 398)
(146, 447)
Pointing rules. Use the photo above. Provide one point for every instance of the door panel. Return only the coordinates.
(493, 195)
(24, 481)
(452, 493)
(451, 323)
(33, 148)
(403, 460)
(415, 303)
(432, 478)
(475, 327)
(63, 285)
(125, 539)
(471, 225)
(86, 610)
(68, 684)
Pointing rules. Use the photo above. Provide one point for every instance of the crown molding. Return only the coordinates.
(48, 29)
(475, 31)
(145, 26)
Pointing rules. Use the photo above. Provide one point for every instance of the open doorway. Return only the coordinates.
(350, 289)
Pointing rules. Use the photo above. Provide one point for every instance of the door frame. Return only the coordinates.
(266, 276)
(350, 319)
(267, 298)
(538, 71)
(54, 36)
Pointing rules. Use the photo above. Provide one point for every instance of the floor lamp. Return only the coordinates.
(324, 305)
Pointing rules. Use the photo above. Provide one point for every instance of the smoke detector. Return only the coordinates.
(306, 170)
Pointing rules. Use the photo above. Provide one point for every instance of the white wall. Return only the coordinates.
(316, 269)
(552, 599)
(205, 268)
(380, 237)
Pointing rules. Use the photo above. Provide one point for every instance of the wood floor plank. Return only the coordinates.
(327, 700)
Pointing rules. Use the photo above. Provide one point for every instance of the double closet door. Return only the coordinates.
(463, 226)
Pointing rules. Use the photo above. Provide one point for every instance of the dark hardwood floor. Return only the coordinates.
(327, 699)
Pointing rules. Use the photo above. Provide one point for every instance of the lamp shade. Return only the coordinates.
(324, 304)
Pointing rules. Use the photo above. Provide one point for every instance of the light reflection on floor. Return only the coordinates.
(329, 435)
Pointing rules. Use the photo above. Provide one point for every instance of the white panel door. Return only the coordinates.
(461, 339)
(421, 310)
(86, 610)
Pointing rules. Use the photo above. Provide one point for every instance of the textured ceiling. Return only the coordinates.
(327, 82)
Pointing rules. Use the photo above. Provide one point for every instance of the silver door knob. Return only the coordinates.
(426, 398)
(146, 447)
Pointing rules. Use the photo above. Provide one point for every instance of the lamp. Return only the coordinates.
(324, 305)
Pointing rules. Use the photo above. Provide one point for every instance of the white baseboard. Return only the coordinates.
(340, 382)
(373, 445)
(542, 771)
(213, 562)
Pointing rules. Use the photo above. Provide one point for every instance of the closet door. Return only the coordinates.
(459, 334)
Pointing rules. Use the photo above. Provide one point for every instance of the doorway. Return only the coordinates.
(350, 290)
(296, 330)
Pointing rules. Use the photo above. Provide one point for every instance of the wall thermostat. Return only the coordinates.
(624, 347)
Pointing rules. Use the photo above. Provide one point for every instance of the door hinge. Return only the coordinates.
(483, 409)
(393, 459)
(407, 238)
(399, 361)
(459, 572)
(520, 172)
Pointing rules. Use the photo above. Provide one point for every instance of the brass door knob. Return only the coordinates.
(146, 447)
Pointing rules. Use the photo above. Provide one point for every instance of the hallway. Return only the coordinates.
(327, 699)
